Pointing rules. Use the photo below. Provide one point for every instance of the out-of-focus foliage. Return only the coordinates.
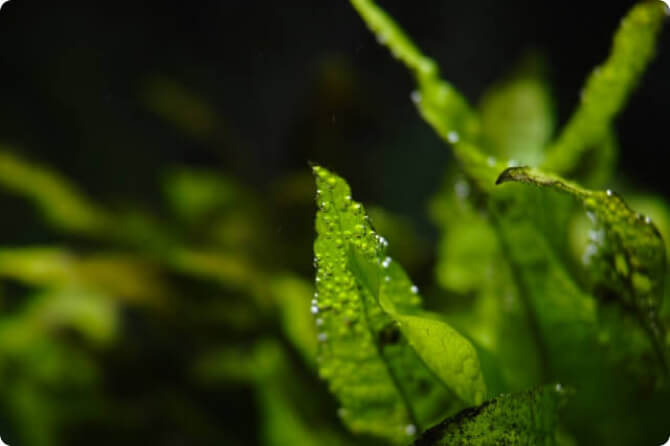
(197, 310)
(608, 87)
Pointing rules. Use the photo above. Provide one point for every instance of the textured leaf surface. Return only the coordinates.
(528, 418)
(627, 254)
(592, 345)
(380, 380)
(630, 245)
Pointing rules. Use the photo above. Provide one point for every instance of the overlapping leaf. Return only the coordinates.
(373, 339)
(627, 254)
(527, 418)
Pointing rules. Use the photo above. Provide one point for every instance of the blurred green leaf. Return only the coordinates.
(439, 103)
(517, 114)
(123, 277)
(293, 296)
(180, 106)
(468, 250)
(195, 194)
(410, 247)
(61, 202)
(608, 87)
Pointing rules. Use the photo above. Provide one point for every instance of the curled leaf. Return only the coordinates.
(627, 254)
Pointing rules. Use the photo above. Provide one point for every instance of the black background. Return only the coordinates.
(292, 82)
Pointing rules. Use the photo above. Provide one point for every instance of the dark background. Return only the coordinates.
(284, 83)
(290, 82)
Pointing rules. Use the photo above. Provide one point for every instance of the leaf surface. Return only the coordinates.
(626, 256)
(372, 337)
(527, 418)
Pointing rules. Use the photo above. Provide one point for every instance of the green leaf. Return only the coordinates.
(487, 307)
(439, 103)
(597, 166)
(58, 268)
(61, 202)
(368, 315)
(592, 345)
(627, 254)
(293, 296)
(527, 418)
(517, 114)
(468, 247)
(287, 416)
(608, 87)
(431, 337)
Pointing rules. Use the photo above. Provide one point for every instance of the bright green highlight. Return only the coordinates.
(374, 340)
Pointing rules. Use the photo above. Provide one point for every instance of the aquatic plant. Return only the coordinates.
(547, 320)
(544, 326)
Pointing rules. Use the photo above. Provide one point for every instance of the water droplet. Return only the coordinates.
(559, 387)
(322, 337)
(491, 161)
(647, 220)
(415, 96)
(608, 192)
(410, 429)
(414, 289)
(386, 262)
(314, 309)
(382, 38)
(597, 236)
(512, 163)
(387, 278)
(591, 250)
(462, 189)
(319, 322)
(453, 137)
